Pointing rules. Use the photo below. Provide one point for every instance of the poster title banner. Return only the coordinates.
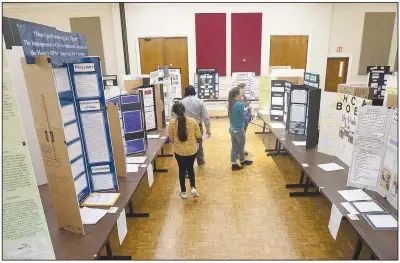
(62, 47)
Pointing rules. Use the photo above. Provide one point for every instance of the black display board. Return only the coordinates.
(377, 81)
(206, 83)
(277, 99)
(110, 80)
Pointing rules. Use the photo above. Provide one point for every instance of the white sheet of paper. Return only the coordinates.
(68, 113)
(74, 150)
(101, 199)
(151, 136)
(383, 220)
(150, 174)
(132, 168)
(353, 217)
(304, 164)
(299, 96)
(91, 216)
(350, 208)
(298, 113)
(354, 195)
(140, 159)
(61, 79)
(329, 167)
(71, 132)
(95, 134)
(277, 112)
(80, 184)
(334, 221)
(299, 143)
(112, 210)
(86, 85)
(277, 125)
(277, 101)
(102, 182)
(77, 167)
(368, 206)
(122, 227)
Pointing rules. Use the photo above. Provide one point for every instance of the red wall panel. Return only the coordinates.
(211, 42)
(246, 42)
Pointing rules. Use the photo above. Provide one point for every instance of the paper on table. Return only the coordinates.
(91, 216)
(150, 175)
(382, 220)
(329, 167)
(132, 168)
(101, 199)
(354, 195)
(299, 143)
(140, 159)
(277, 125)
(152, 136)
(368, 206)
(334, 221)
(350, 208)
(112, 210)
(122, 227)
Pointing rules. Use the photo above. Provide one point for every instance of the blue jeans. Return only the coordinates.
(238, 141)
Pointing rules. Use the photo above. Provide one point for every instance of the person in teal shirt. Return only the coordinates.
(236, 129)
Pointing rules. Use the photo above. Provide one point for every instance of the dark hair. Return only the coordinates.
(190, 91)
(179, 110)
(231, 99)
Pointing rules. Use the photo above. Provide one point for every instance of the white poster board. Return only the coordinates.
(25, 232)
(247, 78)
(374, 164)
(338, 123)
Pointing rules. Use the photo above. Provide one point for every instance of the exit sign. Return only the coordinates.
(339, 49)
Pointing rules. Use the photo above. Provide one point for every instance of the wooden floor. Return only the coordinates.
(239, 215)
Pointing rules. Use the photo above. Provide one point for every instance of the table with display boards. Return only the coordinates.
(72, 246)
(382, 243)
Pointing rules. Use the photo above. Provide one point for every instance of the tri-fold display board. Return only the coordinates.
(377, 76)
(247, 78)
(374, 159)
(206, 83)
(71, 122)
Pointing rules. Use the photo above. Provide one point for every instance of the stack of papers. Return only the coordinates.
(132, 168)
(153, 136)
(354, 195)
(277, 125)
(101, 199)
(299, 143)
(368, 206)
(140, 159)
(382, 221)
(91, 216)
(329, 167)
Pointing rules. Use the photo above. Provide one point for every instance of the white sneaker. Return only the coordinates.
(183, 195)
(194, 193)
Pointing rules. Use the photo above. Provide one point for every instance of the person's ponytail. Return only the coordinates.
(179, 110)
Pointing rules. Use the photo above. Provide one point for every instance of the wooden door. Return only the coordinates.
(151, 54)
(289, 51)
(336, 73)
(176, 53)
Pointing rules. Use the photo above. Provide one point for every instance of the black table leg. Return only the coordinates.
(132, 214)
(263, 131)
(164, 155)
(305, 192)
(357, 249)
(278, 150)
(300, 184)
(110, 255)
(273, 150)
(158, 170)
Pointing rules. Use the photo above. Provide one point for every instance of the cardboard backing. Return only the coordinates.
(49, 129)
(116, 139)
